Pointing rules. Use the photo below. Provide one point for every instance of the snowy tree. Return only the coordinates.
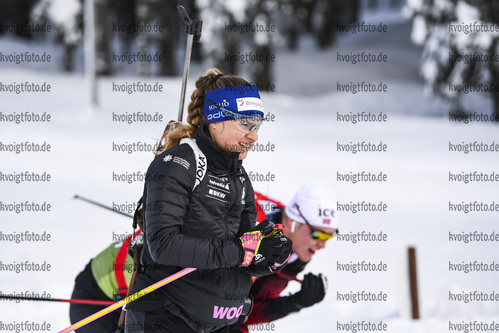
(318, 17)
(124, 13)
(294, 20)
(327, 14)
(165, 14)
(262, 42)
(324, 22)
(102, 40)
(216, 42)
(225, 33)
(168, 40)
(453, 56)
(66, 18)
(16, 12)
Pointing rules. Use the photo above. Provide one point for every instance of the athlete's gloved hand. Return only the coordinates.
(313, 290)
(274, 252)
(265, 247)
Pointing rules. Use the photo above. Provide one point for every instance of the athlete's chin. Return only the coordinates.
(305, 257)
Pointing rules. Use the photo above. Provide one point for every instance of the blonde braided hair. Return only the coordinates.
(195, 109)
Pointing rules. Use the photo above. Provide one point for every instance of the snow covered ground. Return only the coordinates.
(306, 133)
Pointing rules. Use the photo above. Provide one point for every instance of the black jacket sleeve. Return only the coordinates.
(168, 190)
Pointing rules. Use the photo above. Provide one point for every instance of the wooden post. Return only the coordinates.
(413, 281)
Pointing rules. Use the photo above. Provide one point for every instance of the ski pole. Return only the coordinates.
(129, 299)
(101, 205)
(193, 30)
(270, 230)
(72, 300)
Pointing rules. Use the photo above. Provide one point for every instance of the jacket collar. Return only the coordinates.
(221, 160)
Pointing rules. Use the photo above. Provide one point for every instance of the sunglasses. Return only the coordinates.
(316, 234)
(244, 123)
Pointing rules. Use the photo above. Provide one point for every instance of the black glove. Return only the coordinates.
(265, 248)
(274, 251)
(312, 290)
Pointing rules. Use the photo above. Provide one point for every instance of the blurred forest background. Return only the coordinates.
(292, 19)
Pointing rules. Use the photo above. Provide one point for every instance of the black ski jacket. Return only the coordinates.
(199, 228)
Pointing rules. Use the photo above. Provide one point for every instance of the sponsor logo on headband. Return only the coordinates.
(216, 115)
(223, 104)
(249, 104)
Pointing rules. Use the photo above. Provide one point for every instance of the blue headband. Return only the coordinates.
(240, 100)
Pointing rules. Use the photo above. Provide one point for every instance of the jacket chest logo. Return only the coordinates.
(218, 188)
(216, 193)
(218, 183)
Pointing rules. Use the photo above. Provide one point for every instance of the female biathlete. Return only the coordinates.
(199, 211)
